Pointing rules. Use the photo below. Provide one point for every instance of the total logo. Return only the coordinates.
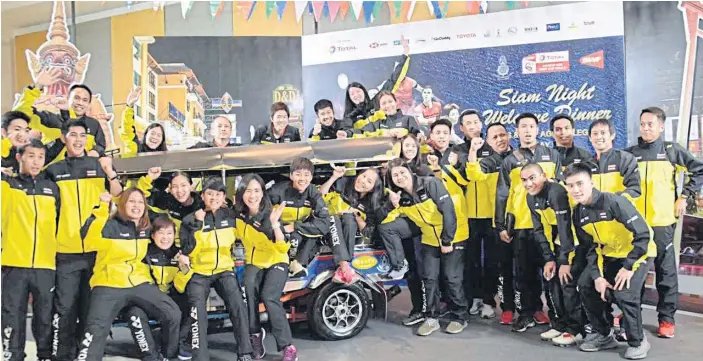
(334, 49)
(466, 36)
(440, 38)
(540, 63)
(554, 27)
(596, 60)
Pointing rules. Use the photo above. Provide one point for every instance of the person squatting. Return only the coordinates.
(472, 226)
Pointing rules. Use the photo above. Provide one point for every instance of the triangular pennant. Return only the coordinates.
(434, 9)
(325, 11)
(368, 10)
(251, 10)
(444, 7)
(333, 8)
(155, 5)
(510, 5)
(216, 8)
(411, 9)
(317, 9)
(129, 4)
(185, 7)
(525, 3)
(395, 7)
(343, 9)
(474, 7)
(377, 9)
(270, 7)
(300, 7)
(356, 7)
(484, 6)
(281, 8)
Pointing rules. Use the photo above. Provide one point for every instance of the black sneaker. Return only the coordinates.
(413, 319)
(596, 342)
(523, 323)
(257, 344)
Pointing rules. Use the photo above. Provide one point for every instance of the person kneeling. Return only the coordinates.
(120, 278)
(620, 249)
(266, 257)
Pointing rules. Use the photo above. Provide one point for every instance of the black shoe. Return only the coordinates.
(413, 319)
(245, 358)
(523, 323)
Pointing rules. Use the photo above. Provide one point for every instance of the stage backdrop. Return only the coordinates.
(547, 60)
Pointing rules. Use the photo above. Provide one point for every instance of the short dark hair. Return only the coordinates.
(301, 163)
(382, 94)
(239, 205)
(560, 116)
(180, 173)
(79, 122)
(576, 168)
(279, 106)
(529, 166)
(215, 184)
(81, 86)
(470, 112)
(161, 222)
(441, 121)
(658, 112)
(495, 125)
(33, 143)
(12, 115)
(322, 104)
(602, 121)
(525, 116)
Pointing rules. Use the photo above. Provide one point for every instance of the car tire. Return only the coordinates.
(339, 311)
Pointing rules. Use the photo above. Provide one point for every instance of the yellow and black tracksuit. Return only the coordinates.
(128, 134)
(81, 181)
(617, 237)
(380, 124)
(265, 274)
(573, 155)
(49, 124)
(330, 132)
(659, 162)
(9, 153)
(163, 266)
(30, 211)
(511, 203)
(162, 202)
(121, 279)
(551, 215)
(209, 245)
(265, 135)
(431, 208)
(616, 171)
(308, 213)
(482, 176)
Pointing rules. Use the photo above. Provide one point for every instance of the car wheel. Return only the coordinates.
(339, 311)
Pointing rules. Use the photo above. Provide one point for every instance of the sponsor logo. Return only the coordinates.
(339, 49)
(497, 33)
(466, 36)
(83, 353)
(545, 157)
(364, 262)
(503, 71)
(573, 26)
(398, 42)
(47, 191)
(540, 63)
(554, 27)
(124, 234)
(334, 233)
(421, 40)
(531, 29)
(91, 173)
(634, 218)
(589, 22)
(139, 334)
(512, 30)
(487, 34)
(224, 223)
(374, 45)
(661, 156)
(603, 215)
(612, 167)
(596, 60)
(55, 343)
(440, 38)
(194, 330)
(6, 335)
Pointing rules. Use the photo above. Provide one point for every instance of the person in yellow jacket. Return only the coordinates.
(120, 278)
(81, 179)
(266, 256)
(30, 209)
(660, 162)
(615, 170)
(15, 134)
(154, 139)
(620, 250)
(207, 237)
(425, 202)
(75, 107)
(162, 258)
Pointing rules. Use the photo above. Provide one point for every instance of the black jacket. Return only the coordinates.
(616, 171)
(382, 123)
(573, 155)
(204, 145)
(307, 211)
(551, 212)
(53, 120)
(330, 132)
(264, 135)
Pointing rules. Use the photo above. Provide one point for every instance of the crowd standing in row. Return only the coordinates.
(461, 223)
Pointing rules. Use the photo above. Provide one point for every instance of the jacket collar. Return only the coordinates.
(597, 202)
(656, 143)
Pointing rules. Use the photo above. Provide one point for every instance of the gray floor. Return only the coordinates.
(482, 340)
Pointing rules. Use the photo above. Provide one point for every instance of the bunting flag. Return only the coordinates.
(474, 7)
(281, 8)
(368, 10)
(411, 9)
(216, 8)
(525, 3)
(300, 7)
(356, 7)
(270, 6)
(333, 9)
(325, 11)
(251, 9)
(155, 5)
(317, 7)
(343, 9)
(484, 6)
(129, 5)
(444, 7)
(433, 6)
(185, 7)
(377, 9)
(396, 7)
(510, 5)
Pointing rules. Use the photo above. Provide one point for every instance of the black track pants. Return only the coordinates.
(266, 285)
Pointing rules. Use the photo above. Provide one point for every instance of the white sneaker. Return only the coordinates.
(551, 334)
(488, 311)
(476, 306)
(566, 339)
(398, 274)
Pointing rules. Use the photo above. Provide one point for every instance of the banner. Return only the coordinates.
(548, 60)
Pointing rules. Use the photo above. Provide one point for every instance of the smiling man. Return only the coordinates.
(279, 130)
(562, 127)
(221, 132)
(326, 126)
(15, 134)
(615, 170)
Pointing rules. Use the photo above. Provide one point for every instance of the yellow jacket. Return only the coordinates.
(163, 265)
(209, 243)
(261, 248)
(481, 191)
(120, 250)
(128, 134)
(30, 210)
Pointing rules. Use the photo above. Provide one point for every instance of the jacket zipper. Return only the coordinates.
(246, 225)
(476, 198)
(136, 254)
(80, 216)
(36, 219)
(217, 241)
(434, 230)
(646, 187)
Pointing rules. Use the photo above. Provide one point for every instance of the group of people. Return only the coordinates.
(461, 222)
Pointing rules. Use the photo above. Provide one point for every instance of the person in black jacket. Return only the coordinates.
(278, 131)
(562, 127)
(551, 216)
(15, 134)
(389, 121)
(326, 126)
(221, 132)
(615, 170)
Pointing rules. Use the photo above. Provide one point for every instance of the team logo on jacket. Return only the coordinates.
(47, 191)
(142, 234)
(224, 223)
(612, 167)
(603, 215)
(399, 124)
(91, 173)
(545, 157)
(577, 160)
(661, 156)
